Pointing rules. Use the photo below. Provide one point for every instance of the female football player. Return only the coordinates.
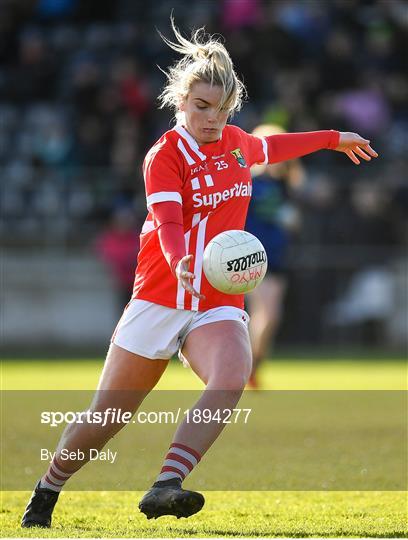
(272, 218)
(198, 184)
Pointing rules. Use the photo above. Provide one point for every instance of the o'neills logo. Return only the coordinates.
(214, 199)
(237, 265)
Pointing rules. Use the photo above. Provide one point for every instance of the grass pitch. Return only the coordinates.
(226, 514)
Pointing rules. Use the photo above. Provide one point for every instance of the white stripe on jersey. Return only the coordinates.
(163, 196)
(198, 261)
(181, 292)
(148, 226)
(265, 150)
(195, 183)
(183, 149)
(208, 180)
(191, 142)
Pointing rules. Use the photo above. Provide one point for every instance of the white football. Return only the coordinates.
(234, 262)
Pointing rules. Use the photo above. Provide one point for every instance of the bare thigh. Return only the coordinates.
(126, 379)
(220, 354)
(124, 370)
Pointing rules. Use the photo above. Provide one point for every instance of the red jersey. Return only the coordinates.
(213, 184)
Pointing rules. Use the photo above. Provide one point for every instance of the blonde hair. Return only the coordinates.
(205, 60)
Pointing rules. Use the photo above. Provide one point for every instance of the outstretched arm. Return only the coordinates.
(287, 146)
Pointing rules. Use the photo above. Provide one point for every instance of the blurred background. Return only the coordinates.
(78, 110)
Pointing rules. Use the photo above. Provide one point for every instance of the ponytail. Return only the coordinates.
(205, 59)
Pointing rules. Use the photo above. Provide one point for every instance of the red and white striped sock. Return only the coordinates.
(55, 477)
(179, 462)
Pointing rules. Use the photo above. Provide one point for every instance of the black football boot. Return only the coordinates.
(39, 509)
(168, 498)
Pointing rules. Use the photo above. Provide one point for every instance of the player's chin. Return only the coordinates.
(210, 135)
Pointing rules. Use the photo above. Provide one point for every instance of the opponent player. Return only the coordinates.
(272, 218)
(198, 184)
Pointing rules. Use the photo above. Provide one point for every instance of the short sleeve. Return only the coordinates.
(162, 176)
(255, 148)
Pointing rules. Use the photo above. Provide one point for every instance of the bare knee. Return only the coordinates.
(235, 382)
(220, 354)
(231, 377)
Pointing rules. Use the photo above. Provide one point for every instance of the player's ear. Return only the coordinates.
(182, 103)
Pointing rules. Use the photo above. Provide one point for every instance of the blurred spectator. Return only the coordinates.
(34, 78)
(118, 246)
(237, 15)
(92, 145)
(85, 83)
(133, 87)
(306, 65)
(273, 217)
(367, 303)
(49, 9)
(338, 67)
(78, 110)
